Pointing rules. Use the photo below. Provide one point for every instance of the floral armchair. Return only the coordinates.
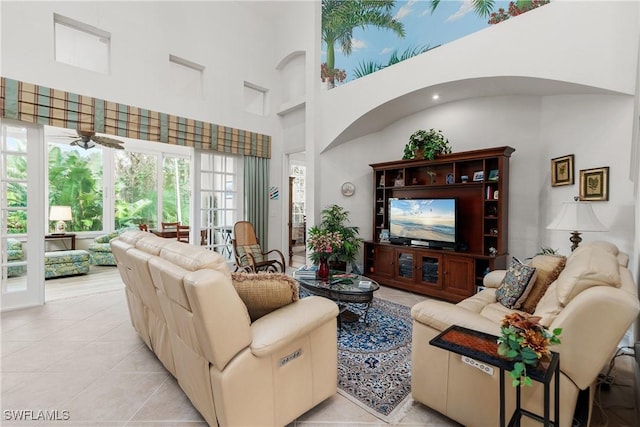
(100, 250)
(16, 265)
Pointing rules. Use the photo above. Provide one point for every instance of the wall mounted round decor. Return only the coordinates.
(348, 189)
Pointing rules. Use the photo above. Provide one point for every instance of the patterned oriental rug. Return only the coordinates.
(374, 361)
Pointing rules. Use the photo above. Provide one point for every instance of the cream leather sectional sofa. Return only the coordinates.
(594, 300)
(236, 372)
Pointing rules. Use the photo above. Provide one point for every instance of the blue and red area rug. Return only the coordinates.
(374, 360)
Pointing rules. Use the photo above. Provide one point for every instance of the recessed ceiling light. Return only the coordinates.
(436, 96)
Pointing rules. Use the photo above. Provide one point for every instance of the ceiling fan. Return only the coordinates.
(86, 139)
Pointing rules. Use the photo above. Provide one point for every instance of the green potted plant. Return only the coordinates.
(426, 144)
(334, 220)
(525, 341)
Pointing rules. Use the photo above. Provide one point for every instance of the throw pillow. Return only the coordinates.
(263, 293)
(515, 286)
(254, 250)
(548, 268)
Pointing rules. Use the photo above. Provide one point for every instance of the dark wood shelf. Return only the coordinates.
(458, 272)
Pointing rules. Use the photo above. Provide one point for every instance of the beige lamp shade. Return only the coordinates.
(60, 214)
(576, 217)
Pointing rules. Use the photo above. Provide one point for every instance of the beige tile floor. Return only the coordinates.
(82, 355)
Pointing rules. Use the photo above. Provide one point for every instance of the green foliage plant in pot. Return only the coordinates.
(525, 341)
(426, 144)
(334, 220)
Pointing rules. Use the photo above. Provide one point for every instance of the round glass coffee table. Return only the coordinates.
(353, 293)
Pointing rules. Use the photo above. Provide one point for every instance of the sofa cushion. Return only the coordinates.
(516, 284)
(548, 268)
(591, 266)
(263, 292)
(548, 307)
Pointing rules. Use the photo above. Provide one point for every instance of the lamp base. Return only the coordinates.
(61, 227)
(575, 239)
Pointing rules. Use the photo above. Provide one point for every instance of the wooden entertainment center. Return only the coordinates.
(482, 206)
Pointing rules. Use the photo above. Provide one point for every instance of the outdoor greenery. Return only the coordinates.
(76, 180)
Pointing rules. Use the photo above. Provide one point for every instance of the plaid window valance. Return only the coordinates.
(39, 104)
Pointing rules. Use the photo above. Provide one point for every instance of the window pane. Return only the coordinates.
(79, 45)
(16, 194)
(17, 222)
(75, 179)
(16, 166)
(136, 194)
(176, 196)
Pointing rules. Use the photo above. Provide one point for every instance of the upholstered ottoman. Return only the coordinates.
(16, 265)
(65, 263)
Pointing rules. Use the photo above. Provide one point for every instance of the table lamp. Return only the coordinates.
(60, 214)
(576, 217)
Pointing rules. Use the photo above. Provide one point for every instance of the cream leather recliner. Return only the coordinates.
(236, 373)
(594, 300)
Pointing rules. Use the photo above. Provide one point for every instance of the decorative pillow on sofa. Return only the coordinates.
(263, 293)
(516, 284)
(548, 268)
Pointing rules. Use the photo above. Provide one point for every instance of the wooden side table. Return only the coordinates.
(62, 236)
(483, 347)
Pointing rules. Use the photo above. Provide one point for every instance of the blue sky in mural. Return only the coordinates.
(451, 20)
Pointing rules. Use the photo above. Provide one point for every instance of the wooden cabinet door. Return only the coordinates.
(459, 275)
(383, 261)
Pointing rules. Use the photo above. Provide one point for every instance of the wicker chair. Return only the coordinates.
(249, 254)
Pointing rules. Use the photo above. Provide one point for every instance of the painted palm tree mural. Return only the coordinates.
(363, 36)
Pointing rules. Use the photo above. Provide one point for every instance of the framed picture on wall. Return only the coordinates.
(594, 184)
(562, 171)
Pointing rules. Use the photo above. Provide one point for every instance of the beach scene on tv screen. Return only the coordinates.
(432, 220)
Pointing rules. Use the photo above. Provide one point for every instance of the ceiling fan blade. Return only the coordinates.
(108, 142)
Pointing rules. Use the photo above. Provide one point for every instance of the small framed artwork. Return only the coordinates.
(594, 184)
(478, 176)
(562, 171)
(493, 175)
(450, 178)
(384, 235)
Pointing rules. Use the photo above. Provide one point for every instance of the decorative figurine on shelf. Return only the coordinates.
(486, 271)
(432, 175)
(382, 181)
(399, 181)
(493, 231)
(493, 251)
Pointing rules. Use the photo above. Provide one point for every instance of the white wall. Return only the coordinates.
(590, 43)
(595, 129)
(232, 42)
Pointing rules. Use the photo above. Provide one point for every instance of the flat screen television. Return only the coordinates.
(430, 222)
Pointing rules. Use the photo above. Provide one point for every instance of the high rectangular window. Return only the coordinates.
(81, 45)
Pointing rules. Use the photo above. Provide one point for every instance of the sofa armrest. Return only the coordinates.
(494, 278)
(286, 324)
(440, 315)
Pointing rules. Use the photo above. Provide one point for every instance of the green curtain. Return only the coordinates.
(256, 196)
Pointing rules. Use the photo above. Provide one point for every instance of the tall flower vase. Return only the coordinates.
(323, 270)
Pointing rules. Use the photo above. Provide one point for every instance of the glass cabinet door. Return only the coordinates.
(405, 265)
(429, 266)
